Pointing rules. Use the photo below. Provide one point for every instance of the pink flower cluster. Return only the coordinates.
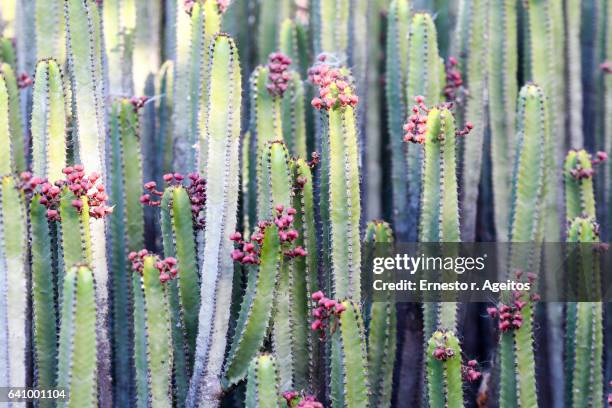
(248, 251)
(28, 182)
(580, 173)
(79, 184)
(466, 129)
(470, 372)
(453, 79)
(443, 353)
(510, 316)
(335, 88)
(417, 122)
(24, 80)
(138, 102)
(294, 399)
(167, 267)
(278, 76)
(196, 190)
(326, 309)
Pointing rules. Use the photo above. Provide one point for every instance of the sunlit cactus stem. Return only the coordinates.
(578, 177)
(331, 27)
(7, 163)
(119, 28)
(7, 52)
(13, 286)
(15, 119)
(165, 109)
(220, 130)
(293, 41)
(48, 121)
(443, 361)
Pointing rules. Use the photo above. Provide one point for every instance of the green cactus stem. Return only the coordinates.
(578, 176)
(574, 72)
(256, 310)
(194, 36)
(127, 231)
(293, 113)
(608, 126)
(221, 165)
(331, 27)
(262, 383)
(15, 120)
(476, 76)
(293, 41)
(7, 52)
(503, 91)
(158, 335)
(584, 328)
(424, 78)
(43, 298)
(526, 226)
(248, 181)
(381, 326)
(48, 121)
(271, 14)
(396, 70)
(305, 269)
(444, 384)
(49, 26)
(77, 372)
(165, 109)
(13, 286)
(76, 232)
(349, 374)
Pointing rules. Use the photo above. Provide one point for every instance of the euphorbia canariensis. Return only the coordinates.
(325, 314)
(278, 74)
(167, 267)
(335, 88)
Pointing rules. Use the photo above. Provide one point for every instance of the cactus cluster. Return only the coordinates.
(185, 188)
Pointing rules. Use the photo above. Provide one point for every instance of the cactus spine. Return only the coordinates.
(13, 285)
(48, 121)
(78, 341)
(503, 91)
(221, 165)
(396, 64)
(444, 374)
(262, 383)
(381, 327)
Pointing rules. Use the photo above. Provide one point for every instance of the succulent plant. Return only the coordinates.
(444, 384)
(262, 384)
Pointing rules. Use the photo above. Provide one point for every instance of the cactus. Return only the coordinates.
(165, 109)
(293, 42)
(48, 121)
(526, 225)
(127, 231)
(7, 164)
(7, 52)
(381, 326)
(444, 371)
(574, 75)
(221, 166)
(119, 27)
(396, 64)
(330, 27)
(578, 175)
(423, 79)
(341, 206)
(349, 374)
(271, 13)
(584, 341)
(503, 91)
(262, 383)
(77, 369)
(476, 77)
(13, 285)
(14, 117)
(293, 113)
(195, 27)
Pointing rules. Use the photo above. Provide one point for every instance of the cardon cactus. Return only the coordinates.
(444, 371)
(262, 384)
(14, 117)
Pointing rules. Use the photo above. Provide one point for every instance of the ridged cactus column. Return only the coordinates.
(396, 66)
(584, 328)
(220, 164)
(78, 342)
(503, 91)
(84, 48)
(127, 231)
(425, 78)
(14, 116)
(381, 325)
(196, 24)
(330, 26)
(48, 121)
(119, 25)
(444, 385)
(578, 176)
(49, 22)
(475, 65)
(529, 189)
(262, 383)
(6, 153)
(13, 284)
